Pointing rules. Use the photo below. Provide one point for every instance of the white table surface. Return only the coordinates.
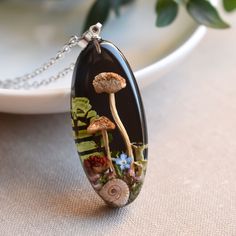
(190, 187)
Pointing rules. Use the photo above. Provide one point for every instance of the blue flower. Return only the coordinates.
(123, 161)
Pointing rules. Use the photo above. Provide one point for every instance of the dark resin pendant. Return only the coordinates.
(109, 123)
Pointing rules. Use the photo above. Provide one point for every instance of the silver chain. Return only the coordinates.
(25, 81)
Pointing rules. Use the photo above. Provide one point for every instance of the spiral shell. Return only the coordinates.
(116, 192)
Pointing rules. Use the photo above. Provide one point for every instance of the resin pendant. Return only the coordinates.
(109, 124)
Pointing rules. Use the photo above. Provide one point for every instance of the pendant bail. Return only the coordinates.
(93, 33)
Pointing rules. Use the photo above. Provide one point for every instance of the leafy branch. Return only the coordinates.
(202, 11)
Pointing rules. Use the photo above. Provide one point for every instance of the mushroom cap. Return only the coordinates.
(108, 82)
(99, 124)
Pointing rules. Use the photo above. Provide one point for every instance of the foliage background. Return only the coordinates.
(202, 11)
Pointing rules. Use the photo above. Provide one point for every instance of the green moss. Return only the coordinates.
(135, 190)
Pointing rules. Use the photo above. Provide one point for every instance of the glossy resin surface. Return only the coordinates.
(109, 124)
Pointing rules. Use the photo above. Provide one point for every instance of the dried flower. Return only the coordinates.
(123, 161)
(97, 164)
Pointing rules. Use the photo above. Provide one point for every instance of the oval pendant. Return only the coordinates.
(109, 124)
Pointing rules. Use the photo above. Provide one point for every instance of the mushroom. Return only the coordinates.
(111, 83)
(102, 124)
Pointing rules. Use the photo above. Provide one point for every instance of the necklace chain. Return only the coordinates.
(25, 81)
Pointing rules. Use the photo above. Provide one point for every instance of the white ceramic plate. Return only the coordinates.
(29, 36)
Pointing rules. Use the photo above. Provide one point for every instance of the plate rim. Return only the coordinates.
(178, 53)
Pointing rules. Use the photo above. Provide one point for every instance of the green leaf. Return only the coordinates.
(118, 171)
(204, 13)
(79, 107)
(167, 11)
(229, 5)
(116, 5)
(83, 134)
(99, 12)
(124, 2)
(180, 1)
(86, 146)
(92, 114)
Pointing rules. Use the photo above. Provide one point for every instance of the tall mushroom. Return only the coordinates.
(111, 83)
(102, 124)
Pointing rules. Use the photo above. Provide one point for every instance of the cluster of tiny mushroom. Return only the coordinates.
(115, 191)
(111, 83)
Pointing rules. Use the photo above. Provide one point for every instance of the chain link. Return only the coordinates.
(22, 82)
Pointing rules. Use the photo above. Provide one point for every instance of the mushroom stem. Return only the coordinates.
(106, 144)
(107, 148)
(120, 124)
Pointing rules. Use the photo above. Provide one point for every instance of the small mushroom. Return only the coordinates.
(111, 83)
(102, 124)
(108, 82)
